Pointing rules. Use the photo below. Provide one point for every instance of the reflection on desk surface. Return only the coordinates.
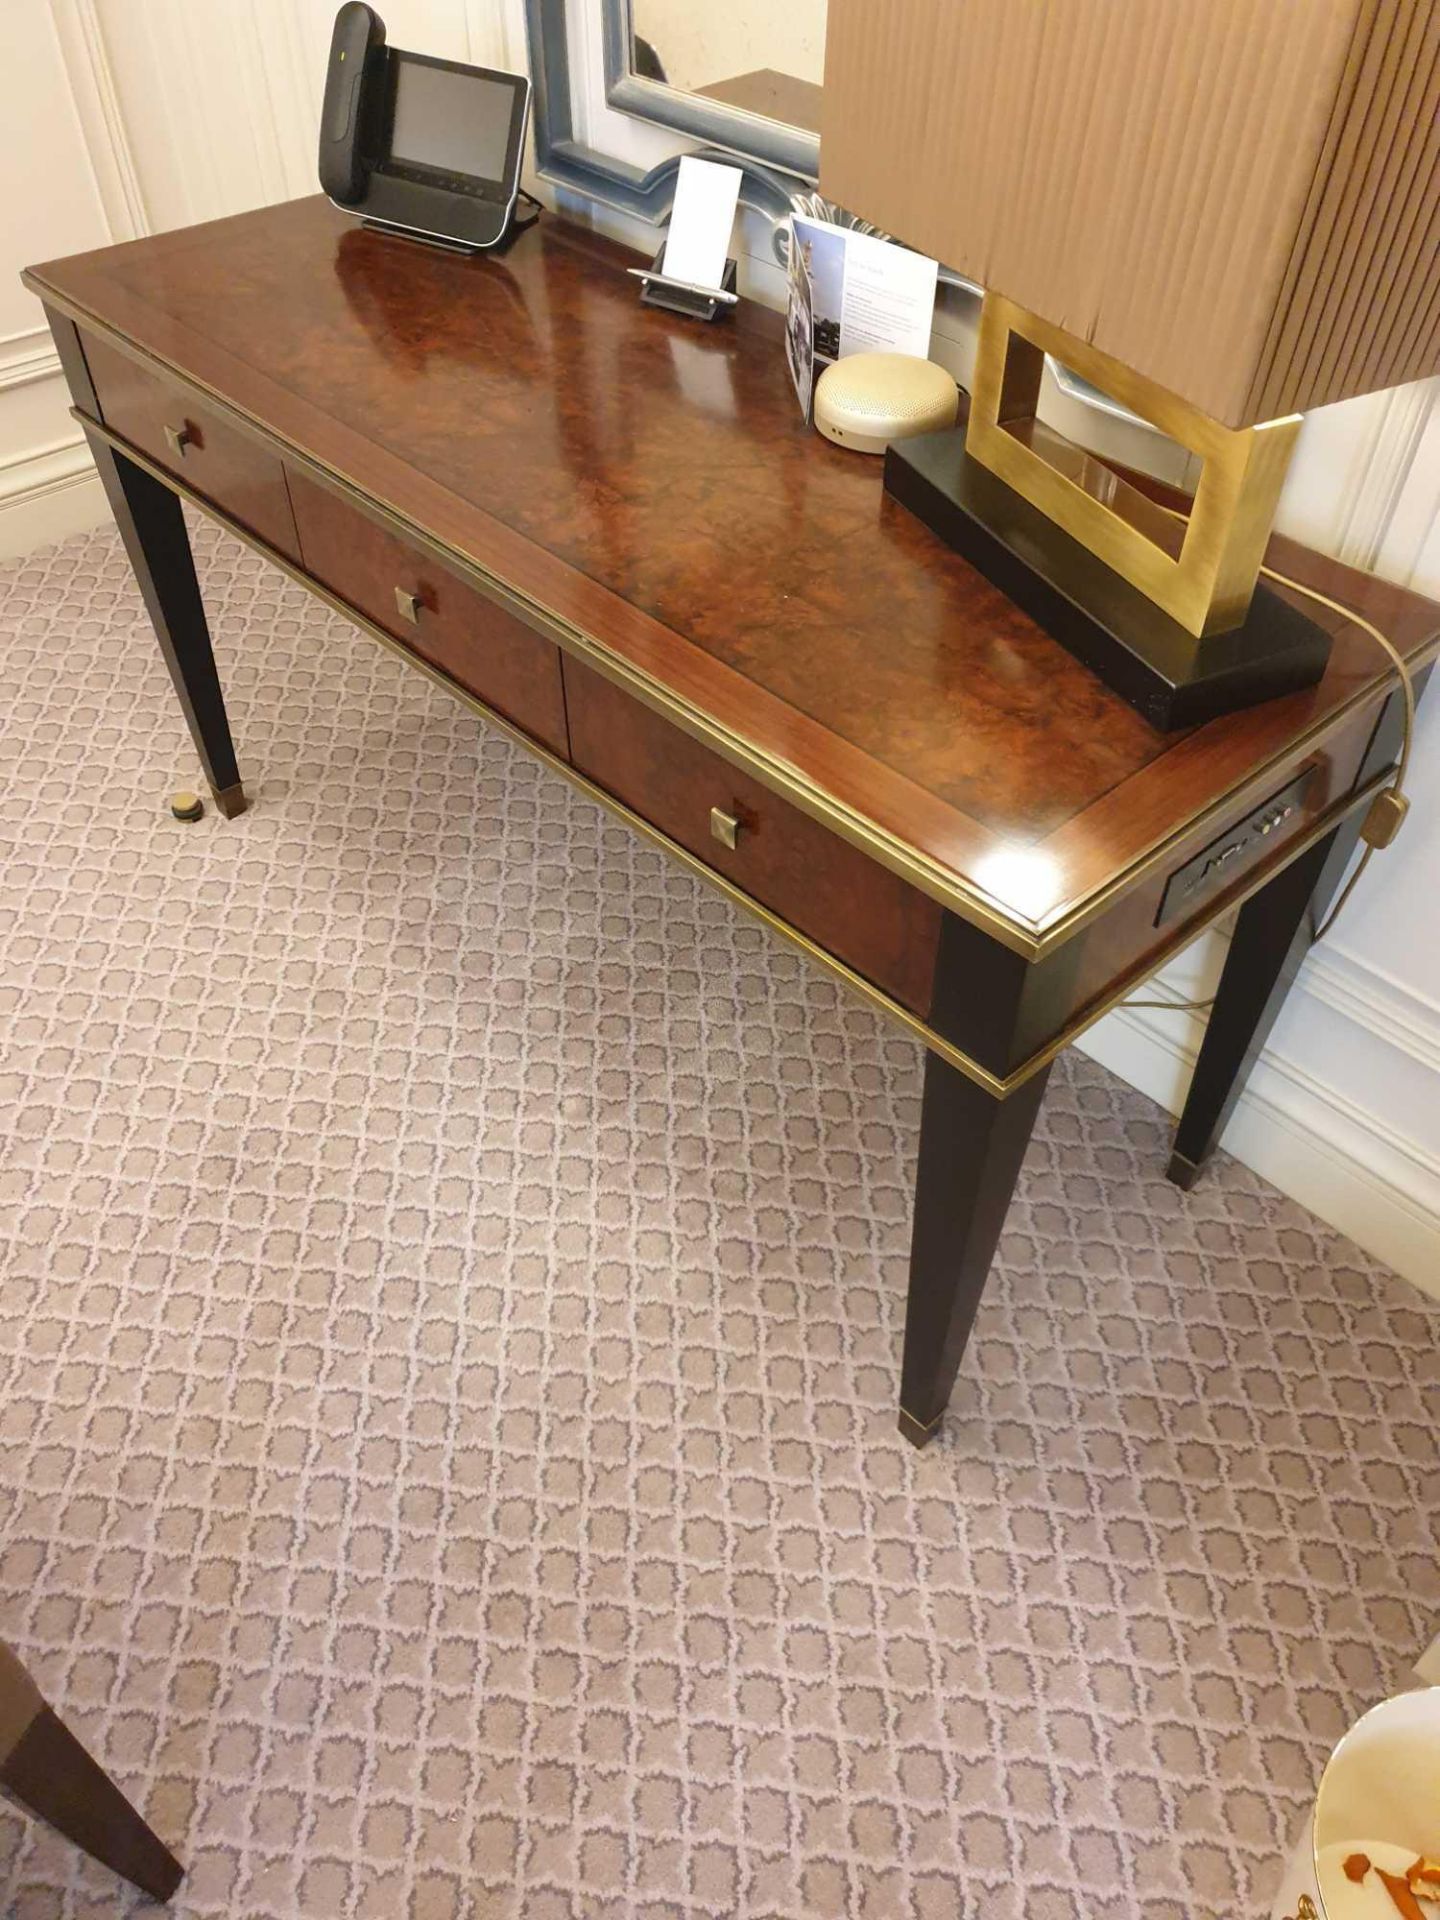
(672, 507)
(384, 305)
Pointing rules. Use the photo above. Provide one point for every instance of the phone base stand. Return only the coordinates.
(678, 296)
(509, 234)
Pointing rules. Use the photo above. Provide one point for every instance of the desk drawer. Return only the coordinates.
(825, 888)
(450, 623)
(162, 418)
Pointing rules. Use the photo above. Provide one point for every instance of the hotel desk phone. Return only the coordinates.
(427, 147)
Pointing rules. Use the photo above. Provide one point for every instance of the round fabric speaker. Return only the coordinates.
(869, 399)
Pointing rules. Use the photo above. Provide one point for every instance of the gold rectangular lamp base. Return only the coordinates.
(1206, 586)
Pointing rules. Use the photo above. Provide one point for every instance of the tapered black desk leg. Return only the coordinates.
(153, 528)
(1272, 935)
(1274, 931)
(971, 1149)
(49, 1772)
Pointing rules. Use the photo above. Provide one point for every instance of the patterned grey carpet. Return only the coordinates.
(453, 1270)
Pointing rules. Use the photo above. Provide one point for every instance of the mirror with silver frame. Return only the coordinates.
(768, 61)
(592, 60)
(746, 75)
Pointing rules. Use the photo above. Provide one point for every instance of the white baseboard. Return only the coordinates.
(46, 494)
(27, 358)
(1374, 999)
(1338, 1160)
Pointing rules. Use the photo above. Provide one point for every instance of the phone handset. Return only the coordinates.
(357, 46)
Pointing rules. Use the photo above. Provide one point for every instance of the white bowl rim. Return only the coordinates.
(1381, 1709)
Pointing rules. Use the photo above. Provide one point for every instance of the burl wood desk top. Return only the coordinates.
(643, 485)
(477, 458)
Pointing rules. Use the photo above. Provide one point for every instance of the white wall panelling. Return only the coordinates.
(27, 356)
(102, 121)
(1409, 545)
(1351, 1077)
(125, 117)
(51, 204)
(128, 116)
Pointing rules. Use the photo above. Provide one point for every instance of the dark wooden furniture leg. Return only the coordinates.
(1272, 935)
(971, 1148)
(45, 1768)
(153, 529)
(1273, 932)
(51, 1773)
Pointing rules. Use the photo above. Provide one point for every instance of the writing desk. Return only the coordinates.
(607, 527)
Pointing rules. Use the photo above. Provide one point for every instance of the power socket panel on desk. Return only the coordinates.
(1216, 864)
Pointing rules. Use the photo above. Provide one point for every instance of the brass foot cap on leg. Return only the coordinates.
(186, 805)
(915, 1431)
(230, 800)
(1183, 1172)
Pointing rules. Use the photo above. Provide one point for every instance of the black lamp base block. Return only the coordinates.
(1148, 659)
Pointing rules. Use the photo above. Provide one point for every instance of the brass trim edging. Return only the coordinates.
(1000, 1086)
(230, 800)
(929, 876)
(1230, 805)
(918, 1432)
(1208, 585)
(847, 976)
(1032, 940)
(1260, 877)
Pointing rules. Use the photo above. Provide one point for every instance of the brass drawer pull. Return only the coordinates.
(179, 438)
(408, 606)
(724, 827)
